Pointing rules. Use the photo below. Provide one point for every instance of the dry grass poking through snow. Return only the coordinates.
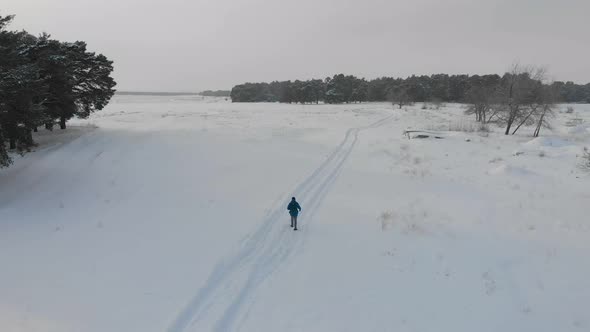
(585, 163)
(466, 127)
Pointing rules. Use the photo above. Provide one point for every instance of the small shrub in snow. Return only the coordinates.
(585, 164)
(569, 110)
(574, 122)
(541, 154)
(483, 128)
(434, 104)
(489, 282)
(386, 219)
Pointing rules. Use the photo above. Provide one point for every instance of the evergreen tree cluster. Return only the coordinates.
(44, 82)
(349, 89)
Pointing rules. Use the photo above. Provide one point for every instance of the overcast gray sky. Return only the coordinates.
(192, 45)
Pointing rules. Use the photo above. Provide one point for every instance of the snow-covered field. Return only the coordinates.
(169, 214)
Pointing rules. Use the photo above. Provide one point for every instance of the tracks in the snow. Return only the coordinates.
(224, 299)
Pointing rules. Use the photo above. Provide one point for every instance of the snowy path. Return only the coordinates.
(231, 287)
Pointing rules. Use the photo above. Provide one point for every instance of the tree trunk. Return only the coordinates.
(512, 112)
(62, 122)
(523, 121)
(539, 124)
(29, 138)
(12, 143)
(508, 125)
(35, 129)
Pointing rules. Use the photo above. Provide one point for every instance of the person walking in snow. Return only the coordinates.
(294, 209)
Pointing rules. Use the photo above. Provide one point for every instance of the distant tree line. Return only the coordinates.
(44, 82)
(206, 93)
(350, 89)
(216, 93)
(154, 93)
(519, 97)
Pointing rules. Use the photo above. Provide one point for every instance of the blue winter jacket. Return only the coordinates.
(294, 208)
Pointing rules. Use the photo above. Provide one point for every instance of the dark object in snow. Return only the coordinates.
(422, 134)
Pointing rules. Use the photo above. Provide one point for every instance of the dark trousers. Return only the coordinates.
(294, 221)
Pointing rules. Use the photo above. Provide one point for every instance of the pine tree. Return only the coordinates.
(43, 80)
(21, 90)
(79, 81)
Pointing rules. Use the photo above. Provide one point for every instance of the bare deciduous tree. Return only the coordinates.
(483, 97)
(522, 96)
(539, 109)
(399, 96)
(546, 109)
(481, 101)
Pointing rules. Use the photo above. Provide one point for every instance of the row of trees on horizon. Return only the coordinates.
(518, 98)
(350, 89)
(44, 82)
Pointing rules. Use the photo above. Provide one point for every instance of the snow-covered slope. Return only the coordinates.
(169, 214)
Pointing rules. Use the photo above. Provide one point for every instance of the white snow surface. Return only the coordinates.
(163, 214)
